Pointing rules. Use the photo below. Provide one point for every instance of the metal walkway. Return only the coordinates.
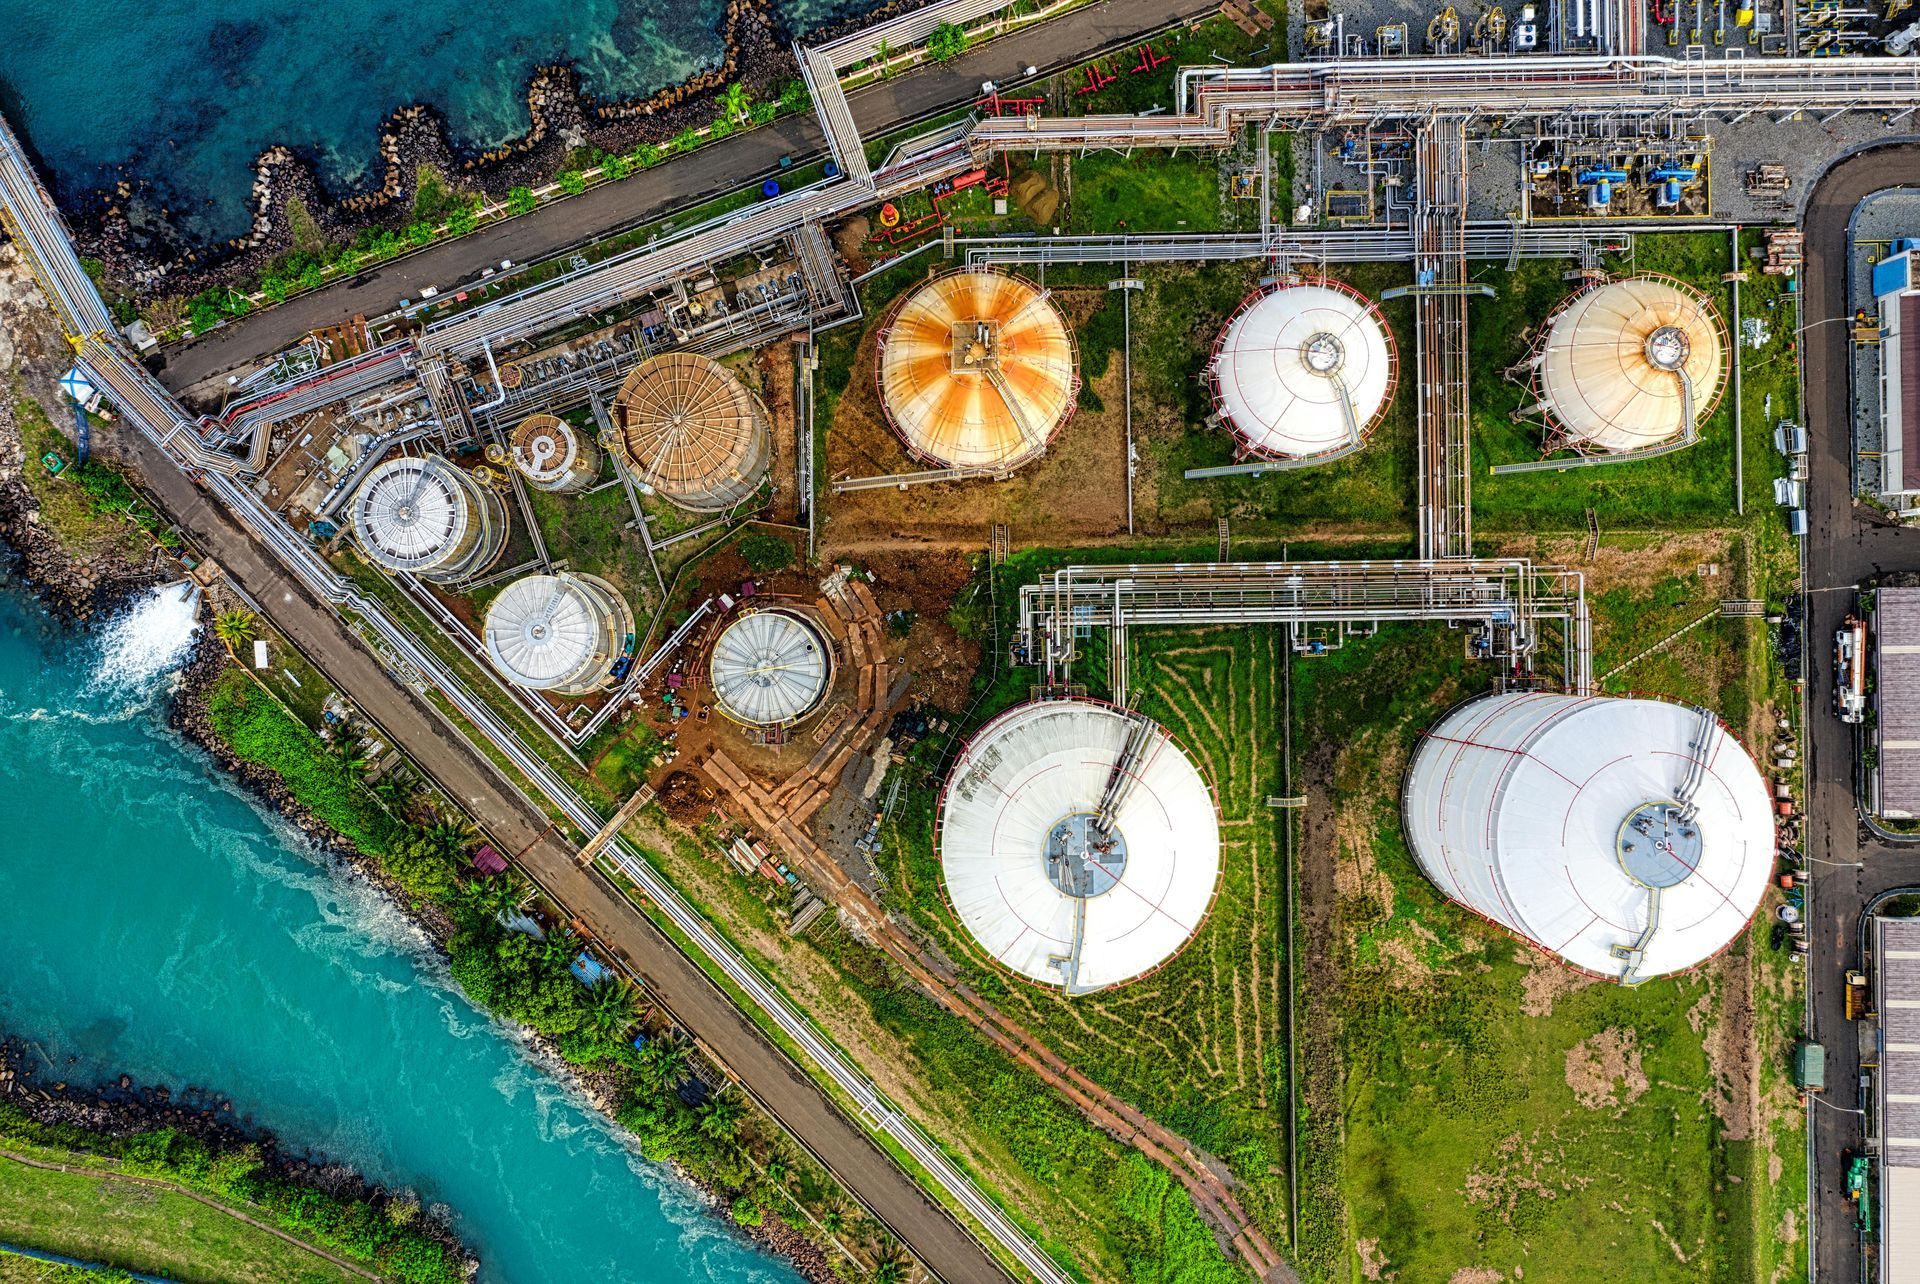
(1440, 338)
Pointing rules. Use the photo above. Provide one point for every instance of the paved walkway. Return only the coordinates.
(673, 979)
(700, 176)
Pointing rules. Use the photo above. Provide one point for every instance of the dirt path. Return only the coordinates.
(1319, 982)
(157, 1183)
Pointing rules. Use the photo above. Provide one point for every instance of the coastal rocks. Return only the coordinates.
(565, 120)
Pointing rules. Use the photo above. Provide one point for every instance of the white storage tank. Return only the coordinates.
(561, 633)
(1079, 844)
(1633, 838)
(1624, 364)
(770, 667)
(421, 514)
(554, 456)
(1303, 370)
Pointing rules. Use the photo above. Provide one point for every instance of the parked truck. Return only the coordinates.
(1859, 1168)
(1856, 995)
(1810, 1067)
(1850, 670)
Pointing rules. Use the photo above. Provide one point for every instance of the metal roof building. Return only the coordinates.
(977, 371)
(553, 455)
(1079, 843)
(692, 431)
(1630, 364)
(559, 633)
(770, 668)
(1304, 370)
(1633, 838)
(1897, 295)
(1896, 697)
(422, 514)
(1896, 1098)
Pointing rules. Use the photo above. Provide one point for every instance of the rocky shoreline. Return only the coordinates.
(565, 118)
(75, 589)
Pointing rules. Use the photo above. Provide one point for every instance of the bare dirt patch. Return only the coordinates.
(1373, 1262)
(917, 589)
(1602, 1067)
(1639, 566)
(1077, 491)
(1477, 1275)
(1731, 1052)
(1546, 981)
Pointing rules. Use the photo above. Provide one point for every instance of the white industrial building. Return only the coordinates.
(1896, 292)
(1633, 838)
(1304, 370)
(1079, 843)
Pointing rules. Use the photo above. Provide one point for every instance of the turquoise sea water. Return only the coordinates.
(155, 923)
(184, 94)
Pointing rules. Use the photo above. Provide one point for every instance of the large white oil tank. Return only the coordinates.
(1625, 364)
(1079, 844)
(421, 514)
(770, 667)
(561, 633)
(1633, 838)
(554, 456)
(977, 371)
(1304, 369)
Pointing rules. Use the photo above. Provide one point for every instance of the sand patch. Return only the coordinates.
(1604, 1066)
(1546, 981)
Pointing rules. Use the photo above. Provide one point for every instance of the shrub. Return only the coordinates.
(765, 553)
(948, 41)
(521, 201)
(573, 182)
(464, 219)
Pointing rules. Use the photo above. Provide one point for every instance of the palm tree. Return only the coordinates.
(452, 835)
(494, 898)
(737, 103)
(881, 52)
(664, 1062)
(395, 790)
(722, 1116)
(610, 1006)
(562, 946)
(894, 1268)
(345, 749)
(235, 627)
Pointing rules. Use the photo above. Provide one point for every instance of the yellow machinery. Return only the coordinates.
(1444, 30)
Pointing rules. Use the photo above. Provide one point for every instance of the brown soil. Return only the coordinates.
(1476, 1275)
(1639, 567)
(775, 368)
(688, 800)
(1603, 1065)
(938, 661)
(1731, 1051)
(1373, 1262)
(1546, 980)
(1076, 492)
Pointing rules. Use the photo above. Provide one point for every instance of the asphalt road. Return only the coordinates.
(672, 978)
(1845, 545)
(702, 175)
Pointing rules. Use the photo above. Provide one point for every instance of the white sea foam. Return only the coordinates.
(148, 641)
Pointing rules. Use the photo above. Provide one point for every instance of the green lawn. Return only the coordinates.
(102, 1218)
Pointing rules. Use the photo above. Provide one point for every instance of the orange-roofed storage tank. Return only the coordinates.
(977, 371)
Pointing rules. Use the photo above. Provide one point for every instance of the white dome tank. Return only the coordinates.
(560, 633)
(555, 456)
(1304, 369)
(1633, 838)
(1043, 883)
(1609, 369)
(421, 514)
(770, 668)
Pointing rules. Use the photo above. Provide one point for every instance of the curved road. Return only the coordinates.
(1846, 543)
(700, 176)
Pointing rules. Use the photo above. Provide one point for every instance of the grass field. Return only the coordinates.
(97, 1217)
